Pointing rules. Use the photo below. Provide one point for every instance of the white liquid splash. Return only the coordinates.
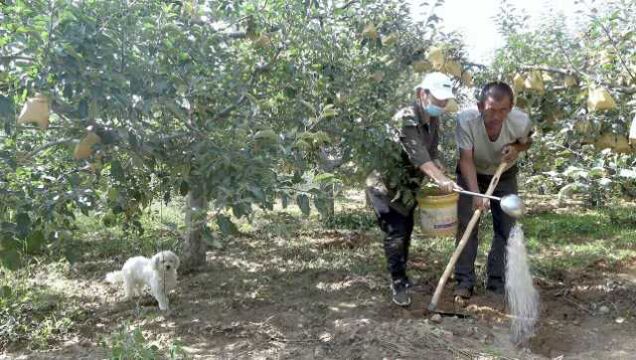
(522, 297)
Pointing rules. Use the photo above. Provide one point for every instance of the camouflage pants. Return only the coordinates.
(397, 227)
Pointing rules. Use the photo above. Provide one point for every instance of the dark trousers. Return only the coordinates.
(502, 224)
(397, 227)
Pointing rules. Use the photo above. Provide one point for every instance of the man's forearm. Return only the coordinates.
(432, 171)
(468, 172)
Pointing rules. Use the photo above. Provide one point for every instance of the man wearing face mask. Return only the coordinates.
(418, 127)
(487, 136)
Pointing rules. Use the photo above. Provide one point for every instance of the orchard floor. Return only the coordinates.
(290, 287)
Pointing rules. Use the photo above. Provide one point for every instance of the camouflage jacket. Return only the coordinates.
(418, 135)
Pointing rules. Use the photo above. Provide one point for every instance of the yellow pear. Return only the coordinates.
(632, 131)
(605, 141)
(622, 145)
(84, 148)
(606, 57)
(370, 32)
(546, 77)
(266, 135)
(36, 110)
(421, 66)
(534, 82)
(452, 68)
(263, 41)
(521, 103)
(451, 106)
(599, 99)
(582, 126)
(389, 39)
(570, 81)
(467, 78)
(518, 82)
(435, 56)
(377, 76)
(96, 166)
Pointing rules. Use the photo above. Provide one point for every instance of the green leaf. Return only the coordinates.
(325, 178)
(10, 259)
(209, 238)
(241, 209)
(23, 224)
(257, 193)
(267, 135)
(184, 187)
(329, 111)
(7, 112)
(284, 198)
(226, 225)
(302, 200)
(35, 242)
(324, 205)
(116, 170)
(109, 220)
(5, 291)
(113, 194)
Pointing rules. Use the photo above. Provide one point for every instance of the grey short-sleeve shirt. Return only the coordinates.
(471, 134)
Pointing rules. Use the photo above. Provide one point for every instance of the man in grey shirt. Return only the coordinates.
(487, 136)
(418, 127)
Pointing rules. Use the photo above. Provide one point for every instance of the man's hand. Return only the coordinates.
(510, 153)
(480, 203)
(447, 185)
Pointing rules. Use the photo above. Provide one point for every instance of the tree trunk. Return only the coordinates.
(195, 219)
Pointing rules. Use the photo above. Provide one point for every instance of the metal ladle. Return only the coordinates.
(510, 204)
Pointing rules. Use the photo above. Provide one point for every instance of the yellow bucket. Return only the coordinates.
(438, 214)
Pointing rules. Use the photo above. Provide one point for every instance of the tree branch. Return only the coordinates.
(225, 112)
(259, 68)
(345, 6)
(16, 57)
(48, 145)
(477, 65)
(618, 53)
(549, 69)
(623, 89)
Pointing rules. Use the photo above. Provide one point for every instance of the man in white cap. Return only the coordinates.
(392, 192)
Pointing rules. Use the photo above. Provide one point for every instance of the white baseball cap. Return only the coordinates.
(438, 84)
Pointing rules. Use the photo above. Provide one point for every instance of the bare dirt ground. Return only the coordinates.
(323, 294)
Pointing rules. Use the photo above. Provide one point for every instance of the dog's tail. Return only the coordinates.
(115, 277)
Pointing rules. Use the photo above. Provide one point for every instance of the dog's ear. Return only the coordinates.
(156, 262)
(177, 261)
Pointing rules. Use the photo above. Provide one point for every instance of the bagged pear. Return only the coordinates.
(452, 68)
(599, 99)
(467, 78)
(436, 57)
(389, 39)
(518, 82)
(570, 81)
(421, 66)
(84, 148)
(622, 145)
(451, 106)
(632, 131)
(534, 81)
(605, 141)
(370, 32)
(36, 110)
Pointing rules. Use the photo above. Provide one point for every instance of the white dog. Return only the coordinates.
(158, 273)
